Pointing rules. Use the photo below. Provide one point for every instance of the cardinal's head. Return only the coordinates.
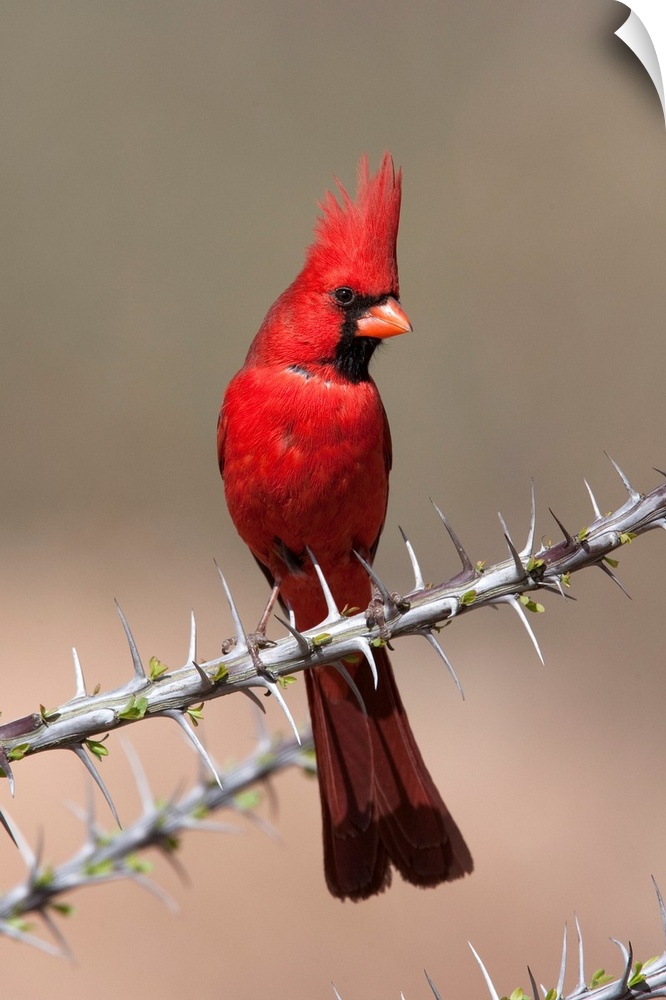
(345, 301)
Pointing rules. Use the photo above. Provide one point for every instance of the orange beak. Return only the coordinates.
(386, 319)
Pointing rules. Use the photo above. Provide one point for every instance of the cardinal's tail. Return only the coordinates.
(379, 804)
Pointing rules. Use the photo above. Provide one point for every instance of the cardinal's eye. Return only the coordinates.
(344, 296)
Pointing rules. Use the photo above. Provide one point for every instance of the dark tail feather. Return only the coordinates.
(379, 804)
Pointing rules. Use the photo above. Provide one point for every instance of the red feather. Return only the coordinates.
(305, 452)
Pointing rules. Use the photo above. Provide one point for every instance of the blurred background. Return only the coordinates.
(161, 164)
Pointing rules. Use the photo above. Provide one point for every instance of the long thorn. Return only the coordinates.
(514, 603)
(179, 717)
(333, 614)
(567, 535)
(419, 583)
(435, 992)
(192, 652)
(634, 494)
(342, 670)
(464, 558)
(489, 983)
(662, 909)
(16, 834)
(139, 671)
(81, 689)
(531, 532)
(581, 957)
(241, 635)
(253, 698)
(155, 890)
(440, 652)
(277, 694)
(628, 955)
(65, 950)
(6, 769)
(593, 500)
(18, 935)
(301, 641)
(363, 646)
(5, 823)
(609, 572)
(563, 964)
(535, 988)
(97, 778)
(513, 551)
(383, 591)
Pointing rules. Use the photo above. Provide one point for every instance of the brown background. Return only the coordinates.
(160, 167)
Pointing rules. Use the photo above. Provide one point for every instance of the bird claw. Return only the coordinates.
(260, 641)
(255, 642)
(228, 645)
(401, 603)
(376, 614)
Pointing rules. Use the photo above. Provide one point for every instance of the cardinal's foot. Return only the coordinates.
(380, 612)
(255, 642)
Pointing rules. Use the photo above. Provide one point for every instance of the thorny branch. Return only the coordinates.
(106, 857)
(179, 694)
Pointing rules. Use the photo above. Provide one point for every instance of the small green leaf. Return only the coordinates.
(352, 660)
(156, 668)
(612, 562)
(468, 598)
(195, 713)
(98, 869)
(480, 566)
(348, 612)
(550, 995)
(64, 909)
(220, 674)
(599, 979)
(18, 752)
(200, 811)
(44, 878)
(378, 642)
(582, 534)
(565, 579)
(627, 536)
(322, 639)
(531, 605)
(19, 924)
(135, 708)
(169, 843)
(49, 715)
(139, 865)
(637, 976)
(285, 681)
(248, 800)
(534, 564)
(97, 747)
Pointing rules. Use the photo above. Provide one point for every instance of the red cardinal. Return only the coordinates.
(305, 452)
